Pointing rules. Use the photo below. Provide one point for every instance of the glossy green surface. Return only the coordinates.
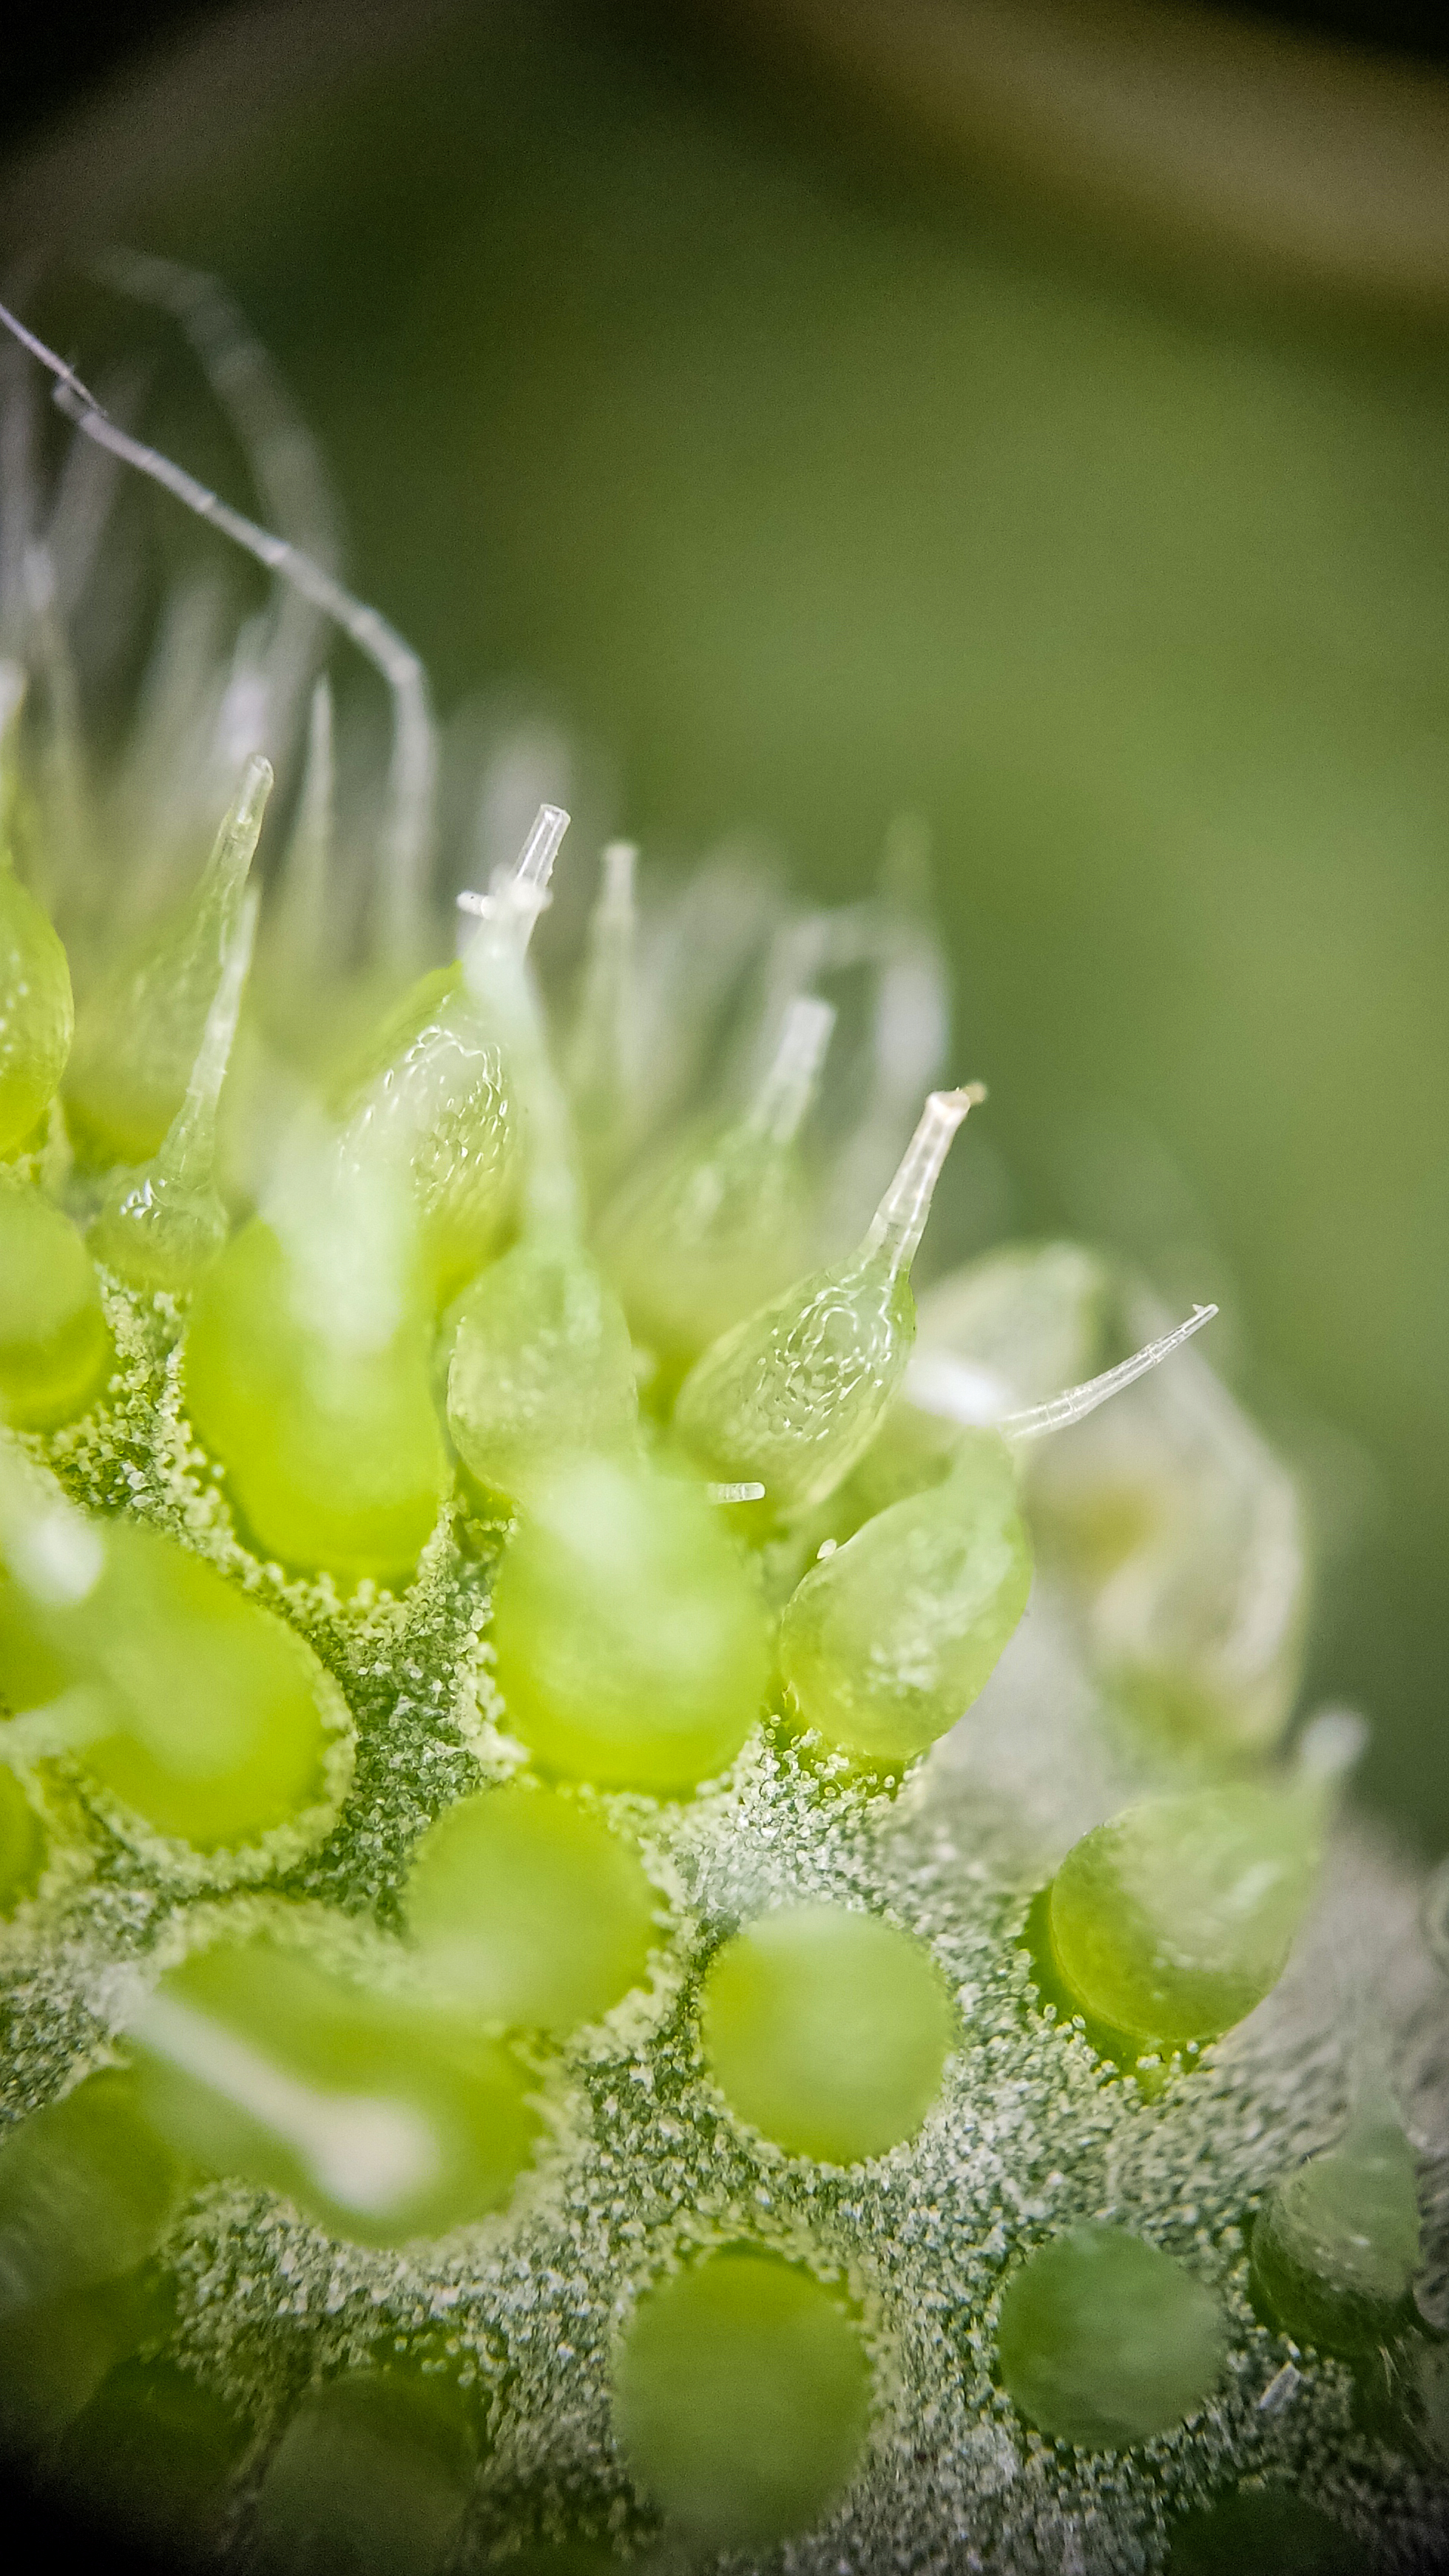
(431, 1088)
(529, 1909)
(542, 1370)
(86, 2193)
(888, 1640)
(157, 1233)
(372, 2477)
(56, 1353)
(630, 1643)
(826, 2029)
(1170, 1922)
(155, 2452)
(204, 1714)
(701, 1237)
(741, 2399)
(792, 1397)
(1335, 2246)
(1105, 2341)
(36, 1013)
(163, 1226)
(1262, 2529)
(381, 2115)
(334, 1455)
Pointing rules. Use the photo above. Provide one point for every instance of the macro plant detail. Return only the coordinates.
(656, 1900)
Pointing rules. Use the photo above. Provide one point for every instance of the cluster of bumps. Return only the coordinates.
(624, 1862)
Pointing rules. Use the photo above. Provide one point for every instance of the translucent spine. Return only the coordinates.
(36, 1015)
(890, 1637)
(436, 1096)
(941, 1384)
(693, 1243)
(163, 1226)
(294, 957)
(789, 1087)
(792, 1397)
(541, 1368)
(599, 1059)
(139, 1033)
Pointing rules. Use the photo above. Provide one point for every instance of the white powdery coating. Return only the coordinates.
(642, 2162)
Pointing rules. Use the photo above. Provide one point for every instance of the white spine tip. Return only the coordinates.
(1330, 1747)
(257, 781)
(619, 860)
(900, 1220)
(534, 865)
(746, 1493)
(789, 1086)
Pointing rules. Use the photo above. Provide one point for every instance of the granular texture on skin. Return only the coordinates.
(644, 2167)
(509, 2370)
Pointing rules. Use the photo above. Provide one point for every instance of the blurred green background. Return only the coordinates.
(815, 467)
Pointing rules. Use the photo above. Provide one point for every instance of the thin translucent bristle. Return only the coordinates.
(237, 840)
(407, 839)
(789, 1086)
(618, 863)
(302, 901)
(66, 758)
(520, 893)
(534, 865)
(900, 1220)
(190, 1147)
(84, 495)
(601, 1052)
(64, 375)
(285, 461)
(1080, 1400)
